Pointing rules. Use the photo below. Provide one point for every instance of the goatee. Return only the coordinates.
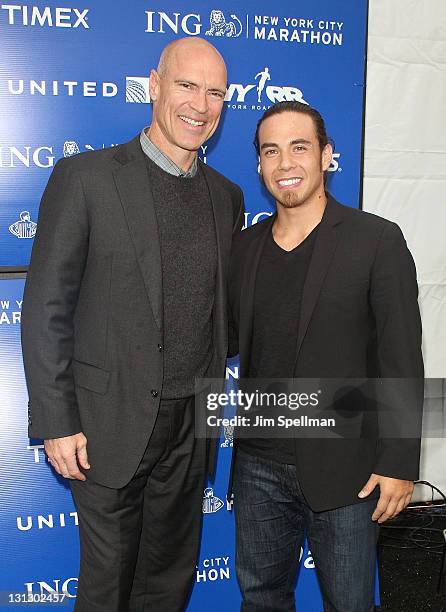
(290, 200)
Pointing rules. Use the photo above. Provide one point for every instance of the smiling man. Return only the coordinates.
(324, 291)
(124, 306)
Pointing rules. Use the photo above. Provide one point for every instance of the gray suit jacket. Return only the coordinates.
(92, 329)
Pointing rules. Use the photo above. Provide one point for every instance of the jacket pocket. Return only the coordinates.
(89, 377)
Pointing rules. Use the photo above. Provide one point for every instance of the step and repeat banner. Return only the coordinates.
(75, 79)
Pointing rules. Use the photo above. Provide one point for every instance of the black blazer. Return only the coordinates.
(359, 319)
(92, 329)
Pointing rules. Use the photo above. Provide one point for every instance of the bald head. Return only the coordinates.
(188, 47)
(187, 92)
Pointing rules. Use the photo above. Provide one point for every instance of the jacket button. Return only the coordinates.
(160, 347)
(154, 393)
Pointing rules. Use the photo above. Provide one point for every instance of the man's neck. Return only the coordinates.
(181, 157)
(293, 225)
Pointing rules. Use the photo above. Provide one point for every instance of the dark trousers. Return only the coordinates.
(272, 518)
(139, 544)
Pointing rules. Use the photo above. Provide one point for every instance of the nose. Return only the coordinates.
(286, 162)
(199, 102)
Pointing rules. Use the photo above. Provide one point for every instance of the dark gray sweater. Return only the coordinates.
(189, 262)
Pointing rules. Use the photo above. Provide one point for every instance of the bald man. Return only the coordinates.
(124, 307)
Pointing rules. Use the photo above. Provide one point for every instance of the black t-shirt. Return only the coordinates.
(277, 300)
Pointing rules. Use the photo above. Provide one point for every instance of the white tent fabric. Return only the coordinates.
(405, 164)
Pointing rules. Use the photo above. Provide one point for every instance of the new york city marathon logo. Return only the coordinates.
(279, 28)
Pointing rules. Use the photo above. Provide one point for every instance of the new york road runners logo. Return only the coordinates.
(261, 94)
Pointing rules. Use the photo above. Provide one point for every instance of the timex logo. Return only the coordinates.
(45, 16)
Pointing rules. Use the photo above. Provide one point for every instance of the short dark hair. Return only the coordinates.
(295, 107)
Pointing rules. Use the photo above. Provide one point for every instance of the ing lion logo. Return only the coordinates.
(229, 436)
(220, 27)
(70, 148)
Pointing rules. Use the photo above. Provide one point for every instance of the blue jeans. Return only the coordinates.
(272, 518)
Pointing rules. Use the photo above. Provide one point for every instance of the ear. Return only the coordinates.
(154, 85)
(327, 156)
(259, 170)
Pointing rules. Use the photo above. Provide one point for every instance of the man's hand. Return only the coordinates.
(394, 496)
(67, 454)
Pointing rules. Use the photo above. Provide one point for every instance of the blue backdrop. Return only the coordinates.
(76, 79)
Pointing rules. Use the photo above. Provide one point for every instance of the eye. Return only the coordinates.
(217, 94)
(269, 152)
(299, 148)
(186, 85)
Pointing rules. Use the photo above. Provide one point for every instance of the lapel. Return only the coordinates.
(223, 221)
(133, 186)
(248, 282)
(324, 250)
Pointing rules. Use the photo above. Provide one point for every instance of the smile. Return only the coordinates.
(191, 121)
(289, 182)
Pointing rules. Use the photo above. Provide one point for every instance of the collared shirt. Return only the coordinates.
(164, 162)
